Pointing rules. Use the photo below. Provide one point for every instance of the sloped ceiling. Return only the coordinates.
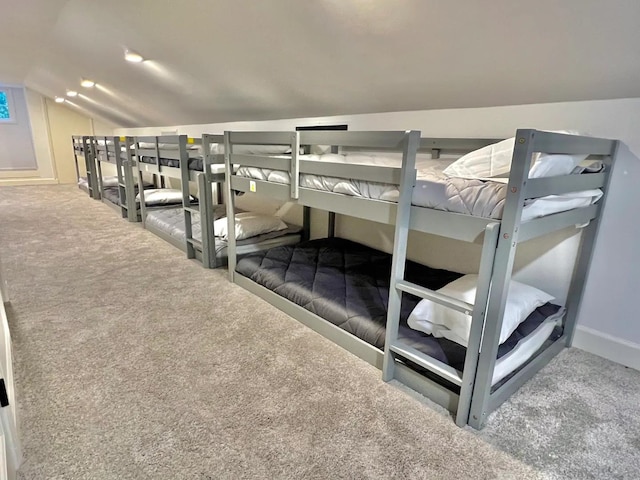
(224, 60)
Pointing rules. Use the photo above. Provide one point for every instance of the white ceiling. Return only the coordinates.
(224, 60)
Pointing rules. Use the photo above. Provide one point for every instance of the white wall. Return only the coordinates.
(43, 115)
(608, 310)
(45, 171)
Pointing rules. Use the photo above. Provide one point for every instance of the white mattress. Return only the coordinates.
(433, 188)
(525, 349)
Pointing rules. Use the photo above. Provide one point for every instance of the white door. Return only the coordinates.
(3, 456)
(10, 453)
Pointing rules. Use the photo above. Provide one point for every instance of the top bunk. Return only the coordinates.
(114, 150)
(81, 144)
(453, 187)
(166, 155)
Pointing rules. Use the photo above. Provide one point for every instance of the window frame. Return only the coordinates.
(10, 105)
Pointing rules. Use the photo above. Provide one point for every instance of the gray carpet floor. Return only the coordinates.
(133, 362)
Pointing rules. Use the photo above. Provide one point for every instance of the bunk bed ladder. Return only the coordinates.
(98, 165)
(74, 141)
(89, 151)
(395, 350)
(192, 244)
(206, 206)
(122, 194)
(230, 207)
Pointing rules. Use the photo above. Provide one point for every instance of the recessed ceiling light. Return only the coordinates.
(59, 100)
(86, 83)
(133, 57)
(72, 93)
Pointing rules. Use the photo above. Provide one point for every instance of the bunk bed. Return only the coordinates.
(118, 191)
(364, 299)
(196, 160)
(84, 158)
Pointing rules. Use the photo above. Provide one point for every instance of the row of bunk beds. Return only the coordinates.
(467, 342)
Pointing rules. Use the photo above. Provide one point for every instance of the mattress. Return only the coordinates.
(347, 284)
(194, 163)
(111, 194)
(434, 189)
(171, 221)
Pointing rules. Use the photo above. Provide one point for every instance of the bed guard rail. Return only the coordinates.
(522, 188)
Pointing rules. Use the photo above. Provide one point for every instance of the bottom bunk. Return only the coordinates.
(347, 284)
(83, 184)
(169, 224)
(111, 196)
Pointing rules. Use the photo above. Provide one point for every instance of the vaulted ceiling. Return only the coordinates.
(223, 60)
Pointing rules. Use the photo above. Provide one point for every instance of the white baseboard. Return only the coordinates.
(8, 182)
(612, 348)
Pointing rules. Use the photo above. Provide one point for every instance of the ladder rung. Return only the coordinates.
(192, 210)
(122, 185)
(195, 243)
(436, 366)
(429, 294)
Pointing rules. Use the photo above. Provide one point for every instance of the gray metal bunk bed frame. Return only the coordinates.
(124, 161)
(84, 147)
(204, 250)
(476, 398)
(193, 248)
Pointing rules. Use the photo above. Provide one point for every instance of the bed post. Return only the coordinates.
(403, 216)
(331, 225)
(503, 267)
(230, 203)
(295, 165)
(306, 223)
(585, 253)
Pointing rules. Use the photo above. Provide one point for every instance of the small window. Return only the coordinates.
(5, 113)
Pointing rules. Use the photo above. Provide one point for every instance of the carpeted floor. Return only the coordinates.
(133, 362)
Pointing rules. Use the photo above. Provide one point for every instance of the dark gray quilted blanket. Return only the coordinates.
(341, 281)
(348, 284)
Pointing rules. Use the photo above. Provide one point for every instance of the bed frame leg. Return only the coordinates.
(331, 227)
(306, 223)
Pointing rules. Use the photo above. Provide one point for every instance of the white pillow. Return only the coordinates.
(162, 196)
(249, 224)
(110, 181)
(495, 161)
(440, 321)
